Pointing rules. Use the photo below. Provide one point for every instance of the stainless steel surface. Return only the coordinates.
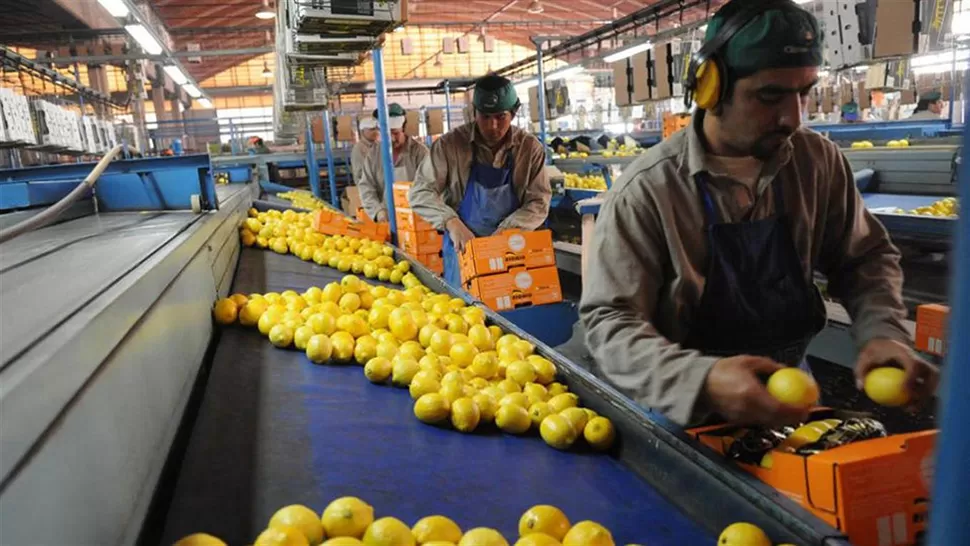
(924, 170)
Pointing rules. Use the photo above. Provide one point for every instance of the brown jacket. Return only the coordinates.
(646, 272)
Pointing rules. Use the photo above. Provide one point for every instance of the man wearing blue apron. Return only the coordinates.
(483, 177)
(700, 282)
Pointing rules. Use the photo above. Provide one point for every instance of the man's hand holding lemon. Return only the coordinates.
(919, 380)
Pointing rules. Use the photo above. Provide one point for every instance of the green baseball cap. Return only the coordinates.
(784, 36)
(495, 94)
(931, 96)
(393, 110)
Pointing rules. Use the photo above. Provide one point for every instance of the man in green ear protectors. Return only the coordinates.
(700, 281)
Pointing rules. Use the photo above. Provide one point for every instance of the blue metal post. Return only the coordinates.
(447, 106)
(541, 77)
(949, 524)
(312, 167)
(387, 158)
(328, 147)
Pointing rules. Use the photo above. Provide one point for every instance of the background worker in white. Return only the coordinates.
(408, 154)
(369, 133)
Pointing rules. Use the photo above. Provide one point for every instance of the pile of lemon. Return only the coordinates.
(744, 534)
(948, 207)
(349, 521)
(291, 232)
(304, 200)
(587, 182)
(456, 368)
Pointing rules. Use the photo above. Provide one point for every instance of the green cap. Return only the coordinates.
(393, 110)
(495, 94)
(785, 36)
(931, 96)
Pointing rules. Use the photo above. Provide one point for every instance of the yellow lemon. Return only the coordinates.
(588, 533)
(486, 407)
(793, 387)
(538, 412)
(496, 333)
(425, 333)
(343, 346)
(887, 386)
(365, 349)
(545, 370)
(349, 302)
(481, 338)
(440, 342)
(507, 339)
(250, 313)
(436, 528)
(485, 365)
(351, 283)
(557, 431)
(537, 539)
(423, 383)
(512, 418)
(318, 349)
(599, 433)
(520, 371)
(267, 320)
(332, 292)
(239, 299)
(509, 353)
(456, 324)
(302, 518)
(525, 348)
(474, 315)
(544, 519)
(432, 408)
(378, 369)
(343, 541)
(388, 532)
(462, 354)
(279, 246)
(483, 536)
(322, 323)
(395, 276)
(281, 336)
(411, 349)
(302, 336)
(402, 325)
(577, 417)
(516, 398)
(347, 517)
(555, 389)
(535, 392)
(562, 401)
(465, 415)
(200, 539)
(366, 300)
(403, 371)
(743, 534)
(281, 535)
(452, 391)
(387, 348)
(509, 386)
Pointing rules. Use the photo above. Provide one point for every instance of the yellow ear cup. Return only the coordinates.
(708, 91)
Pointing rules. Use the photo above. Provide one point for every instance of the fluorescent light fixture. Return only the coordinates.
(628, 52)
(192, 90)
(400, 29)
(702, 28)
(117, 8)
(144, 38)
(525, 85)
(205, 103)
(940, 68)
(176, 74)
(265, 12)
(945, 57)
(803, 1)
(564, 73)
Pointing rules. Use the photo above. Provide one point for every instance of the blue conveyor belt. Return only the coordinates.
(274, 429)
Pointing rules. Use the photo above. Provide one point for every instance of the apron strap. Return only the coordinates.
(711, 216)
(779, 196)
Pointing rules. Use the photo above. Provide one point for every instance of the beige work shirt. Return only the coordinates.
(440, 184)
(647, 272)
(406, 165)
(358, 156)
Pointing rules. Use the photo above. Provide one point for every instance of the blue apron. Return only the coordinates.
(489, 199)
(757, 299)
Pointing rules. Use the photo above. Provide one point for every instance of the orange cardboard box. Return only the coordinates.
(931, 328)
(507, 250)
(335, 223)
(401, 190)
(875, 491)
(517, 287)
(408, 220)
(432, 261)
(420, 242)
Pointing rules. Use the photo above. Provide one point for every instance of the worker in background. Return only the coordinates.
(930, 106)
(408, 154)
(483, 177)
(850, 113)
(257, 146)
(700, 281)
(369, 136)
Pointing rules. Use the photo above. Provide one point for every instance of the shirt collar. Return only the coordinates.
(693, 157)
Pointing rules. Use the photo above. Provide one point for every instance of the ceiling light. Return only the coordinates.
(628, 52)
(399, 29)
(205, 103)
(267, 73)
(265, 12)
(535, 7)
(145, 39)
(802, 1)
(117, 8)
(192, 90)
(564, 73)
(176, 74)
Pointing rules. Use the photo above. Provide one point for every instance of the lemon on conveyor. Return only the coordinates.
(239, 299)
(535, 392)
(483, 536)
(423, 383)
(588, 533)
(318, 349)
(250, 312)
(301, 337)
(520, 371)
(509, 387)
(537, 539)
(343, 541)
(555, 389)
(513, 419)
(281, 336)
(225, 311)
(343, 346)
(347, 517)
(599, 433)
(462, 354)
(378, 369)
(365, 348)
(388, 532)
(411, 349)
(322, 323)
(403, 371)
(743, 534)
(440, 343)
(465, 415)
(302, 518)
(485, 365)
(577, 417)
(544, 519)
(563, 401)
(538, 412)
(436, 529)
(887, 386)
(486, 407)
(480, 337)
(793, 387)
(281, 535)
(545, 370)
(200, 539)
(432, 408)
(557, 431)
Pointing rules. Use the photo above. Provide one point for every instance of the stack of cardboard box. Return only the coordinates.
(416, 236)
(332, 222)
(512, 269)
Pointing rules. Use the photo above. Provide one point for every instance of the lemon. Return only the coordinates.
(509, 353)
(507, 339)
(462, 354)
(366, 300)
(481, 338)
(562, 401)
(387, 347)
(743, 534)
(267, 320)
(509, 386)
(557, 431)
(544, 519)
(347, 517)
(465, 415)
(318, 349)
(483, 536)
(555, 389)
(395, 276)
(525, 348)
(537, 539)
(365, 349)
(456, 324)
(279, 246)
(403, 371)
(520, 371)
(793, 387)
(302, 336)
(516, 398)
(588, 533)
(452, 391)
(281, 336)
(200, 539)
(436, 528)
(343, 346)
(538, 412)
(411, 349)
(599, 433)
(432, 408)
(302, 518)
(486, 407)
(402, 325)
(423, 383)
(239, 299)
(545, 370)
(590, 413)
(351, 283)
(440, 342)
(250, 313)
(343, 541)
(887, 386)
(535, 392)
(577, 417)
(378, 369)
(388, 532)
(332, 292)
(496, 333)
(281, 535)
(485, 365)
(512, 418)
(425, 333)
(349, 302)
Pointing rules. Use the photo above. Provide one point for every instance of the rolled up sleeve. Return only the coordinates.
(371, 197)
(620, 292)
(425, 195)
(861, 262)
(536, 198)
